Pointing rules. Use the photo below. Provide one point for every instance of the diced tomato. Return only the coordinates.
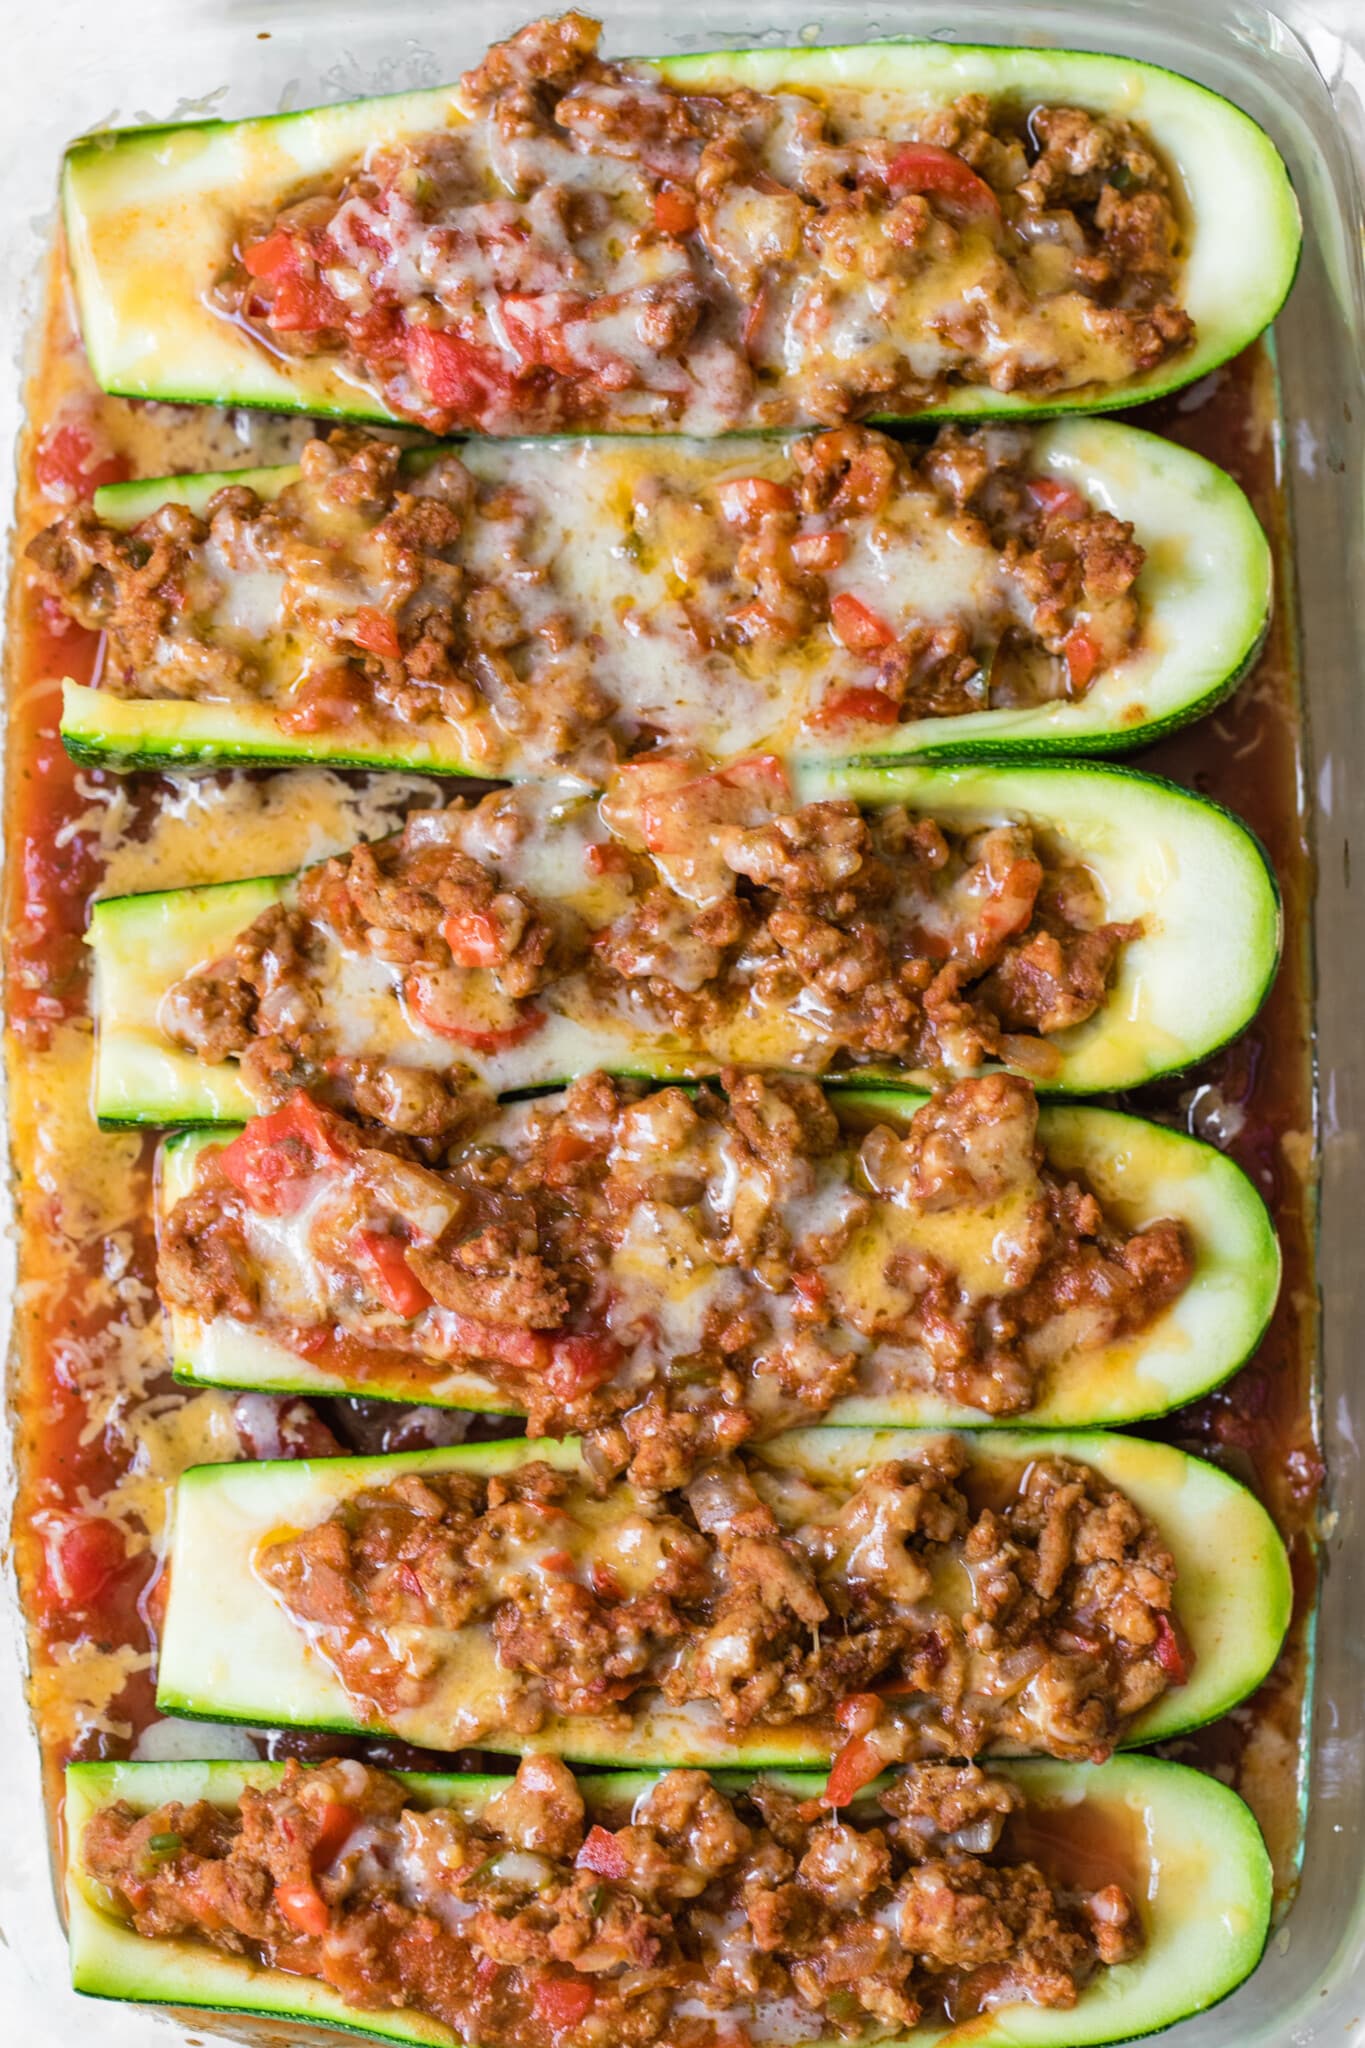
(83, 1553)
(675, 211)
(859, 1713)
(820, 551)
(604, 1582)
(486, 1970)
(376, 633)
(458, 376)
(578, 1364)
(302, 305)
(473, 937)
(743, 498)
(856, 1765)
(1055, 500)
(1082, 657)
(603, 1854)
(435, 1016)
(859, 705)
(326, 701)
(382, 1262)
(537, 326)
(304, 1907)
(857, 626)
(810, 1290)
(411, 1581)
(336, 1825)
(279, 255)
(564, 2001)
(498, 1041)
(923, 167)
(605, 857)
(560, 1561)
(526, 1350)
(565, 1150)
(1170, 1655)
(66, 463)
(274, 1157)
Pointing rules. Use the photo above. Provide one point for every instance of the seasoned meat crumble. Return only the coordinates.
(671, 1272)
(769, 1596)
(527, 602)
(699, 1919)
(597, 247)
(704, 906)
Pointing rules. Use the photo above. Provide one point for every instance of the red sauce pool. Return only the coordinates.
(80, 1591)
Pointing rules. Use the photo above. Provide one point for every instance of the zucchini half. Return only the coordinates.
(1140, 1171)
(1205, 1893)
(1194, 874)
(230, 1653)
(1205, 590)
(150, 213)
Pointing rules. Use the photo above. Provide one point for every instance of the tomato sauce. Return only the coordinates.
(103, 1429)
(1255, 1098)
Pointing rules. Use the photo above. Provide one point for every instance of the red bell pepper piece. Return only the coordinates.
(274, 1157)
(924, 167)
(473, 938)
(861, 704)
(602, 1854)
(1082, 657)
(376, 632)
(675, 211)
(563, 2001)
(857, 626)
(304, 1907)
(381, 1260)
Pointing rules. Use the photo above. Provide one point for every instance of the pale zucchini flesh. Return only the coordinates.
(229, 1652)
(1205, 593)
(1197, 879)
(1140, 1171)
(150, 214)
(1206, 1904)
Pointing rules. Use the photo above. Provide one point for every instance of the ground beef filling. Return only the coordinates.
(925, 1611)
(873, 937)
(384, 610)
(815, 1259)
(598, 248)
(699, 1920)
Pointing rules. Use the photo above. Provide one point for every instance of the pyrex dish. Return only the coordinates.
(146, 54)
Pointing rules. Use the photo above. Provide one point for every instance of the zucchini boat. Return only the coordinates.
(1203, 600)
(1191, 1854)
(1192, 978)
(232, 1650)
(1140, 1172)
(157, 218)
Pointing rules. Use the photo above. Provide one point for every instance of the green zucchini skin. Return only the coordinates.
(133, 196)
(1207, 1909)
(1206, 587)
(228, 1653)
(1197, 876)
(1141, 1171)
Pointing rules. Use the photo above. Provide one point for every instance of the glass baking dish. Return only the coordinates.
(1297, 73)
